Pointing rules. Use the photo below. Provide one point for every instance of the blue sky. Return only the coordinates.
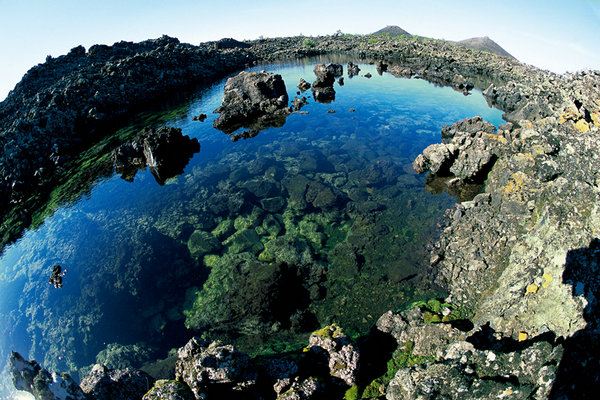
(555, 35)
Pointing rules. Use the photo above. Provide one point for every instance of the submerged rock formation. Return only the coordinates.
(255, 100)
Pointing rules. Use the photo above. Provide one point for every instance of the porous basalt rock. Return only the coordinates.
(342, 355)
(103, 383)
(29, 376)
(468, 151)
(202, 364)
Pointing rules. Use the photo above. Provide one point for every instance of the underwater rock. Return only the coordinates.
(271, 226)
(31, 377)
(243, 294)
(118, 356)
(261, 188)
(201, 243)
(103, 383)
(169, 390)
(165, 150)
(346, 262)
(273, 204)
(244, 240)
(320, 196)
(56, 278)
(287, 249)
(255, 100)
(342, 355)
(296, 188)
(202, 364)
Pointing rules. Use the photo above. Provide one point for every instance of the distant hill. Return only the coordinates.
(485, 43)
(477, 43)
(392, 30)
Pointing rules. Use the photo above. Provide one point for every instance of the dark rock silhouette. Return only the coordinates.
(165, 150)
(322, 87)
(56, 278)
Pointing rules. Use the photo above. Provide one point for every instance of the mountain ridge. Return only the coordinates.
(483, 43)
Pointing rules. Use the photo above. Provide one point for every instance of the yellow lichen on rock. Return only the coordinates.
(522, 336)
(547, 280)
(515, 185)
(595, 118)
(532, 288)
(582, 126)
(568, 115)
(497, 138)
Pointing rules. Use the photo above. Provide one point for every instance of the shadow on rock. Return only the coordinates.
(577, 376)
(165, 150)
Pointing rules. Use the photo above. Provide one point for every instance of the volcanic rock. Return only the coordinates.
(253, 100)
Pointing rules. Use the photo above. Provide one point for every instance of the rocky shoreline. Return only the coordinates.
(520, 260)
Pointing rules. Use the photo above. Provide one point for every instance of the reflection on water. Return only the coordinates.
(258, 242)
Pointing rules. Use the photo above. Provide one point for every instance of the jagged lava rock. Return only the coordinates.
(103, 383)
(251, 98)
(202, 363)
(43, 385)
(343, 356)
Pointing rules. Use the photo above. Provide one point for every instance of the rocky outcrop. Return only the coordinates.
(165, 150)
(205, 366)
(342, 356)
(352, 69)
(254, 100)
(29, 376)
(447, 362)
(103, 383)
(322, 87)
(468, 151)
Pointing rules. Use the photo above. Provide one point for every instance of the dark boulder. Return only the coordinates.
(353, 69)
(254, 100)
(303, 85)
(322, 87)
(298, 103)
(199, 117)
(467, 125)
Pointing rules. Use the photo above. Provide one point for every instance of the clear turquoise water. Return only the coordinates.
(131, 278)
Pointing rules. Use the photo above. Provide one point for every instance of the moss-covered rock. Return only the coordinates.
(201, 243)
